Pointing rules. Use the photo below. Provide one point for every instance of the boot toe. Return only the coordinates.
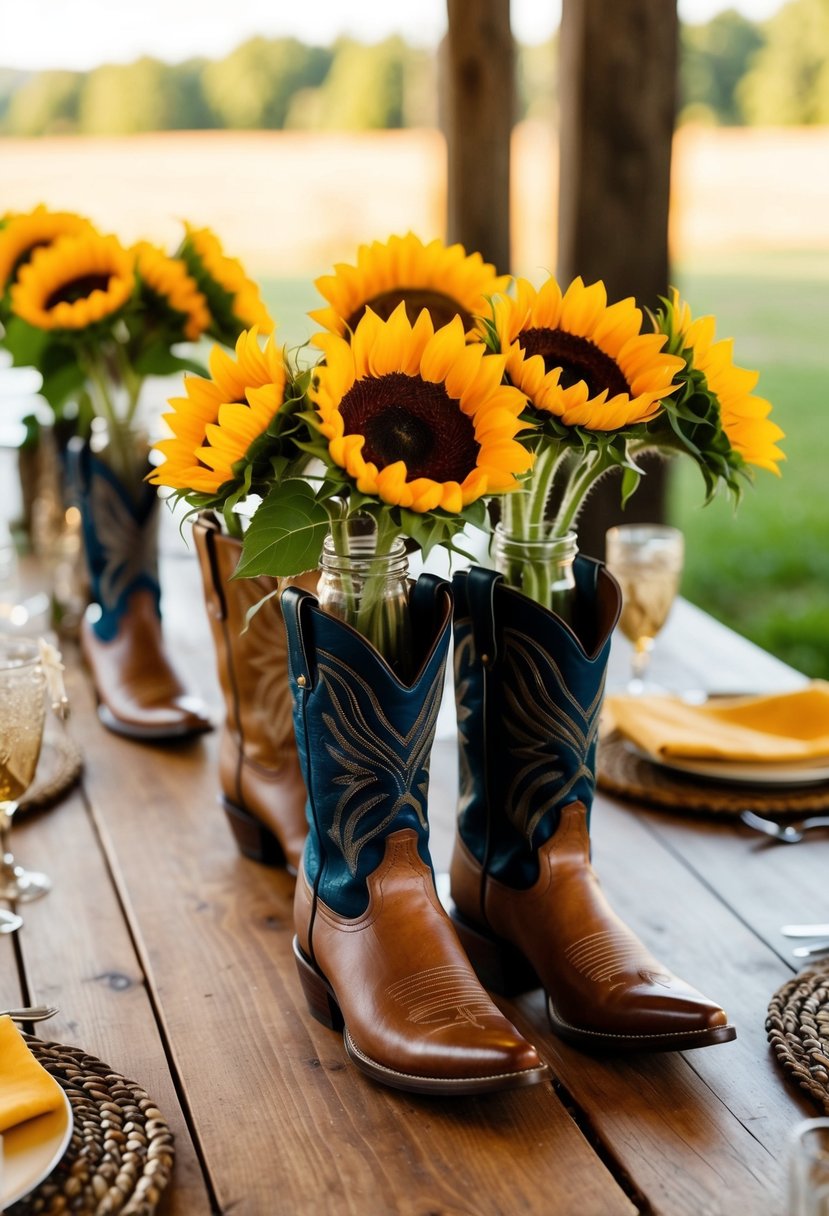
(495, 1060)
(154, 722)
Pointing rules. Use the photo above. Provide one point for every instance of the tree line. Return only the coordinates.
(732, 71)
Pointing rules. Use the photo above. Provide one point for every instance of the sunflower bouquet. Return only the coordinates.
(403, 426)
(437, 390)
(96, 317)
(603, 384)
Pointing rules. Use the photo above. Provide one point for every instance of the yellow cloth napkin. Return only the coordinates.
(786, 727)
(26, 1089)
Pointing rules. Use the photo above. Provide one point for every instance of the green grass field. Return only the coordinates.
(763, 569)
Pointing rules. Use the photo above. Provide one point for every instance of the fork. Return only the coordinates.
(30, 1013)
(790, 833)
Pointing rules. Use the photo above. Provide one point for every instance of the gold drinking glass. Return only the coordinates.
(22, 713)
(646, 559)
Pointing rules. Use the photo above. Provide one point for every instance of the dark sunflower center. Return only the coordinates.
(441, 307)
(78, 289)
(578, 358)
(26, 256)
(409, 419)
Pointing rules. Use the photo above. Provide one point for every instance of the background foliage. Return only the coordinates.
(733, 71)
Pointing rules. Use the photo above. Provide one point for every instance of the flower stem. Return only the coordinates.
(583, 480)
(123, 456)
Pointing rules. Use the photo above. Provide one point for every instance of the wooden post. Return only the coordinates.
(618, 85)
(479, 107)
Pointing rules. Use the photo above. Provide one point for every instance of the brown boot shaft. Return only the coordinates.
(258, 770)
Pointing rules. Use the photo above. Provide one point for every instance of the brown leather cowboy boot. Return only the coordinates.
(262, 788)
(139, 693)
(376, 953)
(528, 906)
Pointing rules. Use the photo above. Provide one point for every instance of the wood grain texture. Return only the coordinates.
(78, 954)
(479, 107)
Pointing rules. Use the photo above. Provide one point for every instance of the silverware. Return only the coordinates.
(30, 1013)
(790, 833)
(805, 930)
(812, 948)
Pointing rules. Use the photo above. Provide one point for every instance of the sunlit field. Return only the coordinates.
(749, 206)
(777, 544)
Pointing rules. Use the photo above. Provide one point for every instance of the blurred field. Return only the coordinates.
(290, 204)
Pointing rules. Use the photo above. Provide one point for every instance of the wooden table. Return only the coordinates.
(169, 956)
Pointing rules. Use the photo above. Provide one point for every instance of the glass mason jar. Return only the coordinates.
(368, 590)
(540, 565)
(125, 449)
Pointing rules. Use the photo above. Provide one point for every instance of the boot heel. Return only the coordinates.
(321, 1003)
(252, 837)
(499, 965)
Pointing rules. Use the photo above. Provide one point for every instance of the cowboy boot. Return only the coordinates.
(376, 953)
(262, 788)
(527, 903)
(139, 694)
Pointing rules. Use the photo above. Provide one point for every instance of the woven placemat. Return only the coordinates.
(58, 769)
(621, 772)
(120, 1157)
(798, 1030)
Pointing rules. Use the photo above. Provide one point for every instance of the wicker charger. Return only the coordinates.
(622, 773)
(798, 1030)
(58, 768)
(120, 1157)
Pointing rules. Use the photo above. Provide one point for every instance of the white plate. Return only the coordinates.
(32, 1150)
(733, 772)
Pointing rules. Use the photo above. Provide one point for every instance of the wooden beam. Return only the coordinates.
(479, 107)
(618, 83)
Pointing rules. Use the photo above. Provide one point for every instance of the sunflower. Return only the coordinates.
(577, 357)
(443, 279)
(21, 235)
(744, 417)
(215, 424)
(416, 415)
(167, 282)
(74, 283)
(232, 297)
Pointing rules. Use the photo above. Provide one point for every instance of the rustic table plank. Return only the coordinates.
(78, 955)
(766, 883)
(11, 989)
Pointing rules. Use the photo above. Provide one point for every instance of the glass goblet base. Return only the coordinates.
(21, 885)
(10, 922)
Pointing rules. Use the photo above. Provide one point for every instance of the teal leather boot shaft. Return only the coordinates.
(529, 691)
(119, 536)
(364, 738)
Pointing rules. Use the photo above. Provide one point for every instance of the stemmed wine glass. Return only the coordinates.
(647, 561)
(22, 713)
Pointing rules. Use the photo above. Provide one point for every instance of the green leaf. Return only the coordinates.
(630, 482)
(62, 384)
(25, 343)
(286, 533)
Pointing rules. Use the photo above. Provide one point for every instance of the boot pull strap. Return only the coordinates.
(295, 612)
(207, 524)
(480, 593)
(424, 598)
